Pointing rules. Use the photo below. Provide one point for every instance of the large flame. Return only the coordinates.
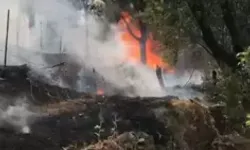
(130, 29)
(130, 32)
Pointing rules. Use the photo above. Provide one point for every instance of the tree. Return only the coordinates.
(217, 24)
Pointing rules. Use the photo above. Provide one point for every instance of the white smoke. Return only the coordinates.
(188, 77)
(16, 116)
(180, 84)
(69, 26)
(107, 57)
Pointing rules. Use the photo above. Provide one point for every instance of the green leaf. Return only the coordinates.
(248, 123)
(248, 116)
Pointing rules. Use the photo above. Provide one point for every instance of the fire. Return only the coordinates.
(130, 35)
(100, 92)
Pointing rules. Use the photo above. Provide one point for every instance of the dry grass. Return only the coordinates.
(64, 107)
(125, 141)
(105, 145)
(190, 121)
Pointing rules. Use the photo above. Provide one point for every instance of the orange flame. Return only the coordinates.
(130, 31)
(100, 92)
(128, 26)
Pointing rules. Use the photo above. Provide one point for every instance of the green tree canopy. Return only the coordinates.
(220, 26)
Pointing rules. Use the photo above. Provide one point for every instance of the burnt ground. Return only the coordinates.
(182, 124)
(68, 116)
(81, 119)
(62, 126)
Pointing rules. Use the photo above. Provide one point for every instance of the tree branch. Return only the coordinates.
(205, 48)
(129, 29)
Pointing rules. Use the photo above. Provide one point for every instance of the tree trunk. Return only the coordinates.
(232, 27)
(219, 53)
(143, 42)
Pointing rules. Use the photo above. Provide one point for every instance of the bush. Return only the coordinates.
(232, 89)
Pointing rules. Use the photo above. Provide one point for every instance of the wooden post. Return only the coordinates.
(41, 35)
(6, 39)
(60, 45)
(61, 50)
(86, 35)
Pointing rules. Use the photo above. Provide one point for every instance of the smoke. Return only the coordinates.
(39, 26)
(188, 77)
(179, 85)
(16, 116)
(52, 26)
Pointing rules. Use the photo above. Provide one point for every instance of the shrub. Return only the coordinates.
(231, 90)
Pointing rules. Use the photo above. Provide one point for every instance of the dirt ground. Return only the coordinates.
(115, 123)
(76, 121)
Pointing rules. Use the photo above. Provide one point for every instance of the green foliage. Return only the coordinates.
(173, 24)
(248, 120)
(165, 22)
(244, 57)
(245, 62)
(215, 23)
(233, 91)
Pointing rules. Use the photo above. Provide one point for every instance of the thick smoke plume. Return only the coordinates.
(52, 26)
(40, 26)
